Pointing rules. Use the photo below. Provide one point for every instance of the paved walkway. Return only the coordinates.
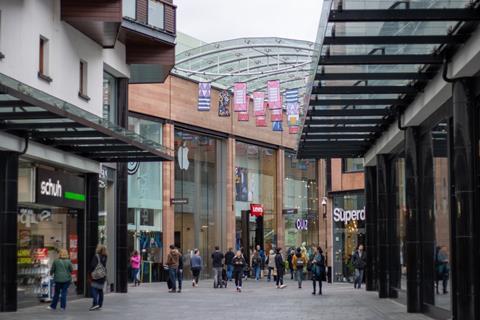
(257, 301)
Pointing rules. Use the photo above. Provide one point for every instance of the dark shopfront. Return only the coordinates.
(424, 210)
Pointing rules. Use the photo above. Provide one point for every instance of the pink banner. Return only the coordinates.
(258, 103)
(293, 130)
(261, 121)
(276, 115)
(243, 116)
(240, 102)
(273, 88)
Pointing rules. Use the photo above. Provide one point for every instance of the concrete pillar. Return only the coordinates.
(279, 202)
(168, 181)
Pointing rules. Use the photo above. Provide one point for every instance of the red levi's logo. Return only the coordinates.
(256, 210)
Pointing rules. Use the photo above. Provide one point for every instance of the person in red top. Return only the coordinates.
(135, 265)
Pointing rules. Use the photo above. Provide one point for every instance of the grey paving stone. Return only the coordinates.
(259, 300)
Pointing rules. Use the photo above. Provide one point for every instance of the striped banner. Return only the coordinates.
(273, 89)
(240, 103)
(291, 96)
(259, 103)
(204, 96)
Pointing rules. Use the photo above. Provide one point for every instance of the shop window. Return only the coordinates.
(352, 165)
(83, 72)
(129, 8)
(43, 59)
(156, 14)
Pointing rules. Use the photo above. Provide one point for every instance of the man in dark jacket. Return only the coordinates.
(229, 262)
(173, 259)
(217, 264)
(359, 261)
(280, 267)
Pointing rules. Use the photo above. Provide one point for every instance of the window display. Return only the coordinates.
(348, 232)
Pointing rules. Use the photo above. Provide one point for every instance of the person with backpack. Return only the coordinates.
(442, 269)
(229, 255)
(280, 268)
(196, 267)
(135, 266)
(299, 261)
(217, 264)
(359, 262)
(98, 274)
(238, 266)
(256, 264)
(61, 271)
(271, 265)
(317, 265)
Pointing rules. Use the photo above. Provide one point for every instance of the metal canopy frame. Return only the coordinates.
(36, 116)
(368, 74)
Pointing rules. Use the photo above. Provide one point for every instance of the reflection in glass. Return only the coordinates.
(401, 211)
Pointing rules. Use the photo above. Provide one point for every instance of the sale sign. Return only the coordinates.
(256, 210)
(240, 103)
(273, 89)
(259, 103)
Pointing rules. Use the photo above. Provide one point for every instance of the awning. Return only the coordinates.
(34, 115)
(375, 58)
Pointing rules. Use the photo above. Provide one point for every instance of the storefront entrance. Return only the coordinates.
(250, 233)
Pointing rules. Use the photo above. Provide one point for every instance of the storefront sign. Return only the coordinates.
(302, 224)
(105, 175)
(256, 210)
(29, 216)
(59, 189)
(290, 211)
(349, 215)
(179, 201)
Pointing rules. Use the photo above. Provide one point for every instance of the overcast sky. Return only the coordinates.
(216, 20)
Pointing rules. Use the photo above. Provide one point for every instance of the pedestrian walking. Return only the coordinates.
(98, 274)
(299, 261)
(359, 261)
(135, 266)
(290, 254)
(61, 271)
(217, 264)
(229, 255)
(280, 267)
(271, 265)
(442, 269)
(196, 267)
(256, 264)
(318, 269)
(261, 253)
(238, 266)
(180, 271)
(173, 258)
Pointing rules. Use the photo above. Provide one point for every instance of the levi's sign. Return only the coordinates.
(348, 215)
(59, 189)
(256, 210)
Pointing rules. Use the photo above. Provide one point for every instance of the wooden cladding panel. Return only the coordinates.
(177, 99)
(91, 10)
(142, 11)
(170, 17)
(139, 53)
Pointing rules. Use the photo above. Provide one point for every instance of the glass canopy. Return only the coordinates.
(376, 56)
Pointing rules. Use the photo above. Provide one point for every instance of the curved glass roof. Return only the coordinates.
(254, 61)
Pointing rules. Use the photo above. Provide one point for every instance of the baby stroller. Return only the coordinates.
(223, 280)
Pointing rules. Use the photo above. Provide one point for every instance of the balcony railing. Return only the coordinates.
(158, 14)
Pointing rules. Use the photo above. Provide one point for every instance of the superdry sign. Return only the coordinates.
(59, 189)
(256, 210)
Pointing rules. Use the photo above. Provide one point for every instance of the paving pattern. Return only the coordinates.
(258, 300)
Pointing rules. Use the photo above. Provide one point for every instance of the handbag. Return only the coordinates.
(99, 272)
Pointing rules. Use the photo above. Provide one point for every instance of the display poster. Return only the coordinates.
(240, 103)
(241, 184)
(259, 104)
(273, 89)
(73, 251)
(204, 96)
(261, 121)
(224, 104)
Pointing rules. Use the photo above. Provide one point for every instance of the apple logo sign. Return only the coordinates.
(182, 156)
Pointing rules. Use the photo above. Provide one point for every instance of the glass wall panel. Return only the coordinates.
(441, 213)
(109, 97)
(255, 182)
(200, 177)
(145, 198)
(348, 233)
(300, 202)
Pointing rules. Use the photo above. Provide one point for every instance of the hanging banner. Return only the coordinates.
(276, 115)
(293, 113)
(204, 96)
(259, 103)
(273, 88)
(243, 116)
(293, 129)
(224, 104)
(261, 121)
(291, 96)
(293, 120)
(277, 126)
(240, 103)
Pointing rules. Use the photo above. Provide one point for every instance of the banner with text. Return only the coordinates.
(273, 89)
(259, 103)
(240, 103)
(204, 96)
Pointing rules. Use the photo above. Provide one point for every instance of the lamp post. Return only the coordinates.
(324, 206)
